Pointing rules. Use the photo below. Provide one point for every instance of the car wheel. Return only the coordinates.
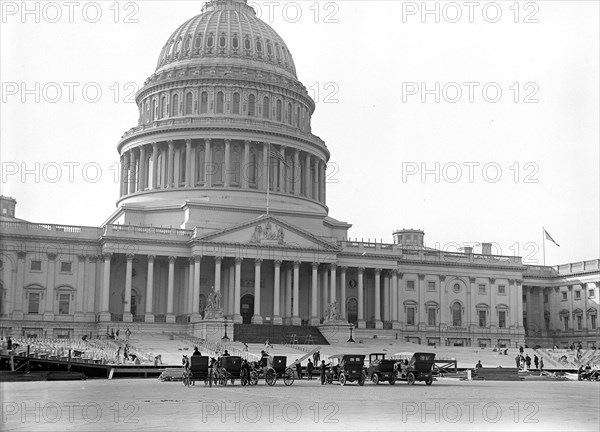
(361, 380)
(342, 379)
(410, 378)
(429, 380)
(392, 380)
(375, 378)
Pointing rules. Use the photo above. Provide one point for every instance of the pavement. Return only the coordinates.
(448, 404)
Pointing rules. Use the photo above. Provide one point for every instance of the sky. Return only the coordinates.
(474, 123)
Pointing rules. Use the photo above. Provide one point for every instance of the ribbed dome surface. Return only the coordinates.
(226, 29)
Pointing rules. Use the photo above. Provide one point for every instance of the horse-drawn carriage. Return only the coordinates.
(345, 368)
(272, 369)
(230, 368)
(199, 369)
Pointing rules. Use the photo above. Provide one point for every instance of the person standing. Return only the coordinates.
(528, 361)
(536, 361)
(541, 364)
(299, 369)
(118, 355)
(127, 334)
(309, 370)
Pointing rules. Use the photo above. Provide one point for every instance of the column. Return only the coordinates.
(104, 297)
(361, 313)
(226, 180)
(80, 294)
(170, 290)
(332, 283)
(585, 316)
(319, 176)
(307, 180)
(297, 177)
(324, 292)
(246, 169)
(493, 318)
(541, 321)
(342, 308)
(127, 317)
(208, 168)
(154, 176)
(91, 285)
(149, 316)
(288, 296)
(422, 313)
(378, 323)
(296, 320)
(394, 289)
(142, 169)
(189, 298)
(126, 173)
(257, 317)
(386, 296)
(230, 289)
(237, 317)
(314, 178)
(400, 304)
(571, 308)
(217, 287)
(188, 163)
(314, 315)
(169, 161)
(196, 295)
(512, 311)
(519, 303)
(177, 166)
(443, 306)
(471, 290)
(264, 181)
(277, 274)
(19, 280)
(282, 168)
(164, 169)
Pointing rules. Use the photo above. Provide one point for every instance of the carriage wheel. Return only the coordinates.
(375, 378)
(253, 378)
(342, 379)
(271, 377)
(243, 378)
(410, 378)
(288, 377)
(223, 377)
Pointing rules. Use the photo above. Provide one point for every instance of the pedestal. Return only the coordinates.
(105, 316)
(127, 317)
(170, 319)
(195, 318)
(396, 325)
(277, 320)
(237, 319)
(48, 316)
(17, 315)
(378, 324)
(336, 332)
(361, 324)
(314, 321)
(296, 321)
(149, 318)
(257, 319)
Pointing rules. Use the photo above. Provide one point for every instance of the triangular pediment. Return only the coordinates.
(268, 231)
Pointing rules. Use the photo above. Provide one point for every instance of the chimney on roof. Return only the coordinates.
(486, 249)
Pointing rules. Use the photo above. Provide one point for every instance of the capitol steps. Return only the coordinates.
(279, 334)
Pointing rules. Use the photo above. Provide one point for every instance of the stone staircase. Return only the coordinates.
(276, 334)
(497, 374)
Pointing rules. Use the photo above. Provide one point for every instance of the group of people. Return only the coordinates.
(127, 356)
(112, 334)
(588, 373)
(524, 362)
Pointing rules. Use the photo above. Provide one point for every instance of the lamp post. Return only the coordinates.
(225, 338)
(351, 340)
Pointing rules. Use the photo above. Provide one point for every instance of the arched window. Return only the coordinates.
(247, 43)
(279, 109)
(222, 41)
(198, 43)
(163, 107)
(298, 117)
(175, 106)
(258, 46)
(210, 40)
(153, 110)
(220, 99)
(266, 107)
(252, 169)
(188, 43)
(252, 105)
(352, 305)
(235, 42)
(269, 49)
(236, 103)
(289, 113)
(204, 103)
(188, 103)
(456, 314)
(177, 46)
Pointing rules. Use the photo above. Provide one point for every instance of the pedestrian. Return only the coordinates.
(117, 333)
(518, 360)
(125, 353)
(267, 346)
(323, 372)
(245, 349)
(112, 333)
(521, 349)
(118, 354)
(226, 354)
(309, 369)
(127, 334)
(299, 369)
(541, 364)
(317, 357)
(478, 365)
(196, 352)
(528, 361)
(536, 361)
(9, 344)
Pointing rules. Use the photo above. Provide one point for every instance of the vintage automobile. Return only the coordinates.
(345, 368)
(382, 369)
(418, 368)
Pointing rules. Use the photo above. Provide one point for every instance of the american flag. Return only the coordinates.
(274, 154)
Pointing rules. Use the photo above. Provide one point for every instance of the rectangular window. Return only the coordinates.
(410, 285)
(566, 322)
(64, 301)
(591, 293)
(456, 316)
(36, 265)
(66, 267)
(431, 316)
(502, 319)
(481, 289)
(579, 322)
(410, 316)
(577, 295)
(593, 318)
(545, 297)
(502, 289)
(34, 303)
(430, 286)
(482, 318)
(564, 296)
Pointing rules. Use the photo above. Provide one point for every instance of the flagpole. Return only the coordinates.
(544, 243)
(268, 175)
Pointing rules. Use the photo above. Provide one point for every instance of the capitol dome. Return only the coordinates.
(227, 30)
(224, 125)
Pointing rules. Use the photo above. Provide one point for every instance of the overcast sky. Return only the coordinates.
(510, 145)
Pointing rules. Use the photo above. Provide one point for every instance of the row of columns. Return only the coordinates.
(304, 176)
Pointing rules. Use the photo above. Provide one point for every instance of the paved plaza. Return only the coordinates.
(449, 404)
